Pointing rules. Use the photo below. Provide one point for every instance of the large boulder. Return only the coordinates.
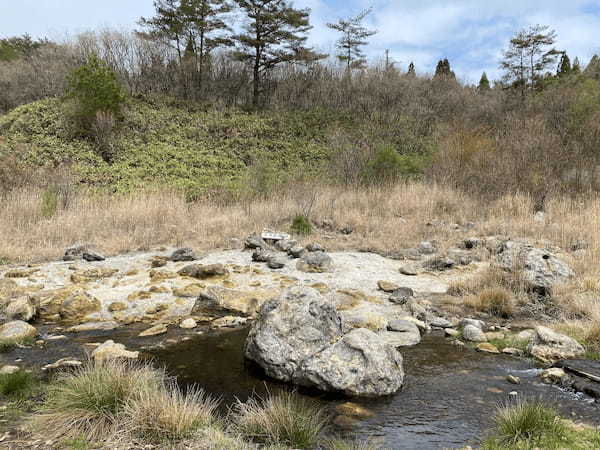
(21, 308)
(299, 338)
(78, 306)
(541, 269)
(359, 364)
(16, 331)
(290, 329)
(220, 300)
(549, 346)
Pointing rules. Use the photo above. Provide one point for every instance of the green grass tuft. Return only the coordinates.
(301, 225)
(17, 385)
(282, 419)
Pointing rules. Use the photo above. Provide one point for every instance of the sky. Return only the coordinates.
(470, 33)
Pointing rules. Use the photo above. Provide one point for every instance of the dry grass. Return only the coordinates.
(496, 301)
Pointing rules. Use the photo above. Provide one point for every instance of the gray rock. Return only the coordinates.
(476, 323)
(473, 334)
(541, 269)
(401, 333)
(472, 242)
(276, 262)
(549, 346)
(439, 322)
(202, 272)
(92, 256)
(347, 230)
(17, 331)
(274, 236)
(296, 252)
(315, 247)
(261, 255)
(439, 263)
(315, 262)
(254, 241)
(285, 245)
(290, 329)
(461, 257)
(409, 270)
(416, 309)
(21, 308)
(401, 295)
(183, 254)
(426, 248)
(359, 364)
(75, 252)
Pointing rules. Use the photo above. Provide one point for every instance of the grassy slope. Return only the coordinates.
(166, 145)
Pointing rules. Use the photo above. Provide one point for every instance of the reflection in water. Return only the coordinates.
(448, 400)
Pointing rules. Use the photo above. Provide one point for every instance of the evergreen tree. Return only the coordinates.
(530, 54)
(275, 33)
(411, 70)
(484, 83)
(169, 24)
(354, 37)
(564, 66)
(576, 69)
(593, 68)
(443, 69)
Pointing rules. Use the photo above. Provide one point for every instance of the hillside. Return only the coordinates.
(164, 145)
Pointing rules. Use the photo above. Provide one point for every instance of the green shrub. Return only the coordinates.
(49, 203)
(18, 384)
(387, 166)
(301, 225)
(282, 419)
(93, 88)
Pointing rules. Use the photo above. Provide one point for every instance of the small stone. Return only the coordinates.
(261, 255)
(188, 324)
(513, 394)
(112, 350)
(387, 286)
(512, 379)
(62, 364)
(92, 256)
(409, 270)
(401, 295)
(476, 323)
(347, 230)
(426, 248)
(254, 241)
(473, 334)
(75, 252)
(296, 251)
(554, 375)
(276, 262)
(511, 351)
(439, 263)
(93, 326)
(229, 322)
(158, 261)
(315, 247)
(203, 271)
(440, 322)
(451, 332)
(183, 254)
(486, 347)
(161, 328)
(285, 245)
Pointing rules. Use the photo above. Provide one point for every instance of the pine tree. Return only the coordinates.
(564, 66)
(484, 83)
(354, 37)
(593, 68)
(168, 23)
(530, 54)
(275, 33)
(443, 69)
(576, 69)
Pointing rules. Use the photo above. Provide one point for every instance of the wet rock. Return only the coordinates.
(255, 241)
(451, 332)
(188, 324)
(359, 364)
(16, 331)
(345, 422)
(92, 256)
(183, 254)
(161, 328)
(473, 334)
(439, 322)
(203, 272)
(401, 333)
(511, 351)
(401, 295)
(229, 322)
(354, 410)
(79, 305)
(315, 262)
(62, 365)
(439, 263)
(554, 375)
(513, 380)
(387, 286)
(486, 347)
(476, 323)
(112, 350)
(296, 251)
(93, 326)
(217, 300)
(541, 269)
(291, 328)
(549, 346)
(21, 308)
